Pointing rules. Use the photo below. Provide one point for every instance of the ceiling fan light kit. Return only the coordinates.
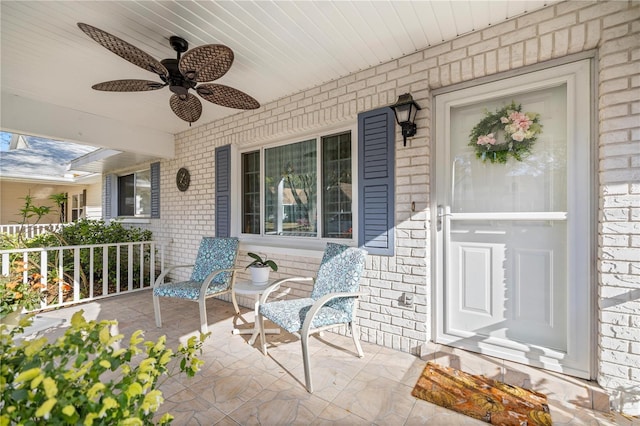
(198, 65)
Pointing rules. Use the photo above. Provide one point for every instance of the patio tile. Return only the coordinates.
(334, 415)
(238, 385)
(377, 399)
(283, 403)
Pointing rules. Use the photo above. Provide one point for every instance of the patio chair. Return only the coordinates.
(333, 301)
(213, 274)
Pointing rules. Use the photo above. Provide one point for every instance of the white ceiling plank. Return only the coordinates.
(280, 47)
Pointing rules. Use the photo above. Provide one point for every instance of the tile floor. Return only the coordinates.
(239, 385)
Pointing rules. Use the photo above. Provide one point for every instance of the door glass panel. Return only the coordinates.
(537, 184)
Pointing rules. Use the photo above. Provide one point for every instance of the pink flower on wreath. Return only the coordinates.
(520, 120)
(487, 140)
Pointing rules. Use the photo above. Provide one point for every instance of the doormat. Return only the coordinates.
(482, 398)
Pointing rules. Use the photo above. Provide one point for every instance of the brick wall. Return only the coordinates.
(613, 28)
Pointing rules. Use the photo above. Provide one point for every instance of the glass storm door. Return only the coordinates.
(512, 239)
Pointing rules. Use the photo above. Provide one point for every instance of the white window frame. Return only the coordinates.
(254, 241)
(116, 195)
(80, 207)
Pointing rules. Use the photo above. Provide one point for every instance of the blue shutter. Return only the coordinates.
(376, 180)
(155, 190)
(223, 191)
(107, 197)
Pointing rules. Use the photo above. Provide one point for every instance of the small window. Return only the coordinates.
(301, 189)
(77, 206)
(134, 194)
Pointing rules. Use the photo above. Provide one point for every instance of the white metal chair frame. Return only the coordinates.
(204, 328)
(306, 330)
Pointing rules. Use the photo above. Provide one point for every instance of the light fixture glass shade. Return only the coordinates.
(405, 110)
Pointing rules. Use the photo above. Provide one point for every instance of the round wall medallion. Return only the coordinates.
(183, 179)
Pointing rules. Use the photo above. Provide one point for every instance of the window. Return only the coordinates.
(301, 189)
(78, 205)
(134, 194)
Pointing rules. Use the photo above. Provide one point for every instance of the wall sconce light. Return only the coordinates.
(405, 110)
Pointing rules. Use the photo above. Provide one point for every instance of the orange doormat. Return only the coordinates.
(482, 398)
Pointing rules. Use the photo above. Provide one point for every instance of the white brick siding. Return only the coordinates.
(613, 28)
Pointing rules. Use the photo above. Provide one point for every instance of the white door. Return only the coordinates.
(512, 239)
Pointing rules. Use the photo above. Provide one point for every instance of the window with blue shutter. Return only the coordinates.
(223, 191)
(155, 190)
(376, 181)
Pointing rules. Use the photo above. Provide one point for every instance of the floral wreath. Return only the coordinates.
(507, 132)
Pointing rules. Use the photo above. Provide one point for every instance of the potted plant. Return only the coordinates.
(260, 268)
(17, 296)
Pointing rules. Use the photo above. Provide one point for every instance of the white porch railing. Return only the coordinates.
(83, 273)
(31, 231)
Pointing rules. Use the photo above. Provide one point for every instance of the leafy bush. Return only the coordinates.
(85, 378)
(89, 231)
(16, 294)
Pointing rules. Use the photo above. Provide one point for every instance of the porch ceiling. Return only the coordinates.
(281, 47)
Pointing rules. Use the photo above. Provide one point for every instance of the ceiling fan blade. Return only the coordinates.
(206, 63)
(187, 107)
(125, 50)
(128, 86)
(227, 96)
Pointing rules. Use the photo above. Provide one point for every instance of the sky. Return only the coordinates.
(6, 138)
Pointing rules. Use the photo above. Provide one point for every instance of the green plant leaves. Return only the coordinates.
(65, 382)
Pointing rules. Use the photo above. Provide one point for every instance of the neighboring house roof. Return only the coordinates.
(39, 159)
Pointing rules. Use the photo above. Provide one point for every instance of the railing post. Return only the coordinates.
(44, 272)
(61, 275)
(105, 270)
(76, 274)
(152, 264)
(91, 272)
(25, 267)
(117, 269)
(130, 266)
(5, 264)
(141, 263)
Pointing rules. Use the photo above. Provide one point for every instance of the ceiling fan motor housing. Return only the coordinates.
(177, 83)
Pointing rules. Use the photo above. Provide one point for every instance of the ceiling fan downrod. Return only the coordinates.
(178, 84)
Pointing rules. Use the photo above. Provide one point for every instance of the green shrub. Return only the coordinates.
(87, 376)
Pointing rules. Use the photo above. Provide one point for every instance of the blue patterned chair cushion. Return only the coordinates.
(214, 254)
(187, 289)
(290, 314)
(340, 271)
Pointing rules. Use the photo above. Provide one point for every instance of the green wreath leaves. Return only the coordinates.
(507, 132)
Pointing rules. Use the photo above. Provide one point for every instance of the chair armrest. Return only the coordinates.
(211, 276)
(160, 280)
(273, 287)
(306, 326)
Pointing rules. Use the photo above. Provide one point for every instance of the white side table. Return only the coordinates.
(247, 288)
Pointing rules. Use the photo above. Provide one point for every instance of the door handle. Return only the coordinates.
(440, 213)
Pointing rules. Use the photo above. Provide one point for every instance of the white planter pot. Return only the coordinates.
(259, 275)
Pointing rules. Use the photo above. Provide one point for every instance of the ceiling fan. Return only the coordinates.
(198, 65)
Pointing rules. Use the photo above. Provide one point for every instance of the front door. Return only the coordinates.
(513, 231)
